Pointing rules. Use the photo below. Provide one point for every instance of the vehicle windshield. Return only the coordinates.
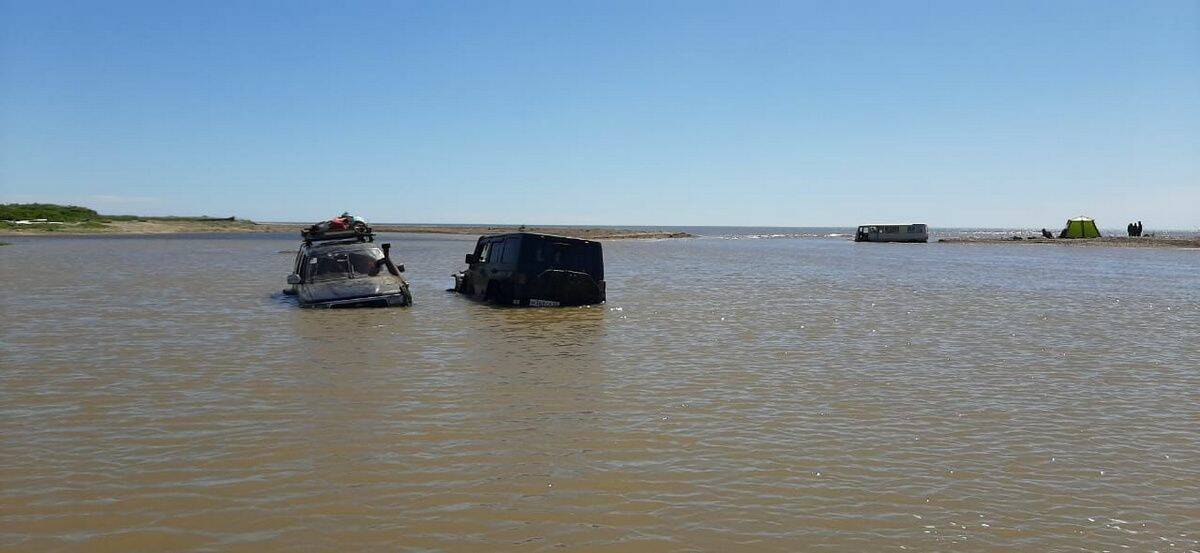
(343, 264)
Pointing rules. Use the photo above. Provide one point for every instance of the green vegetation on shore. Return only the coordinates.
(73, 218)
(50, 212)
(78, 214)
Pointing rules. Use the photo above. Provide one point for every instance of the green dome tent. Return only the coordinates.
(1080, 227)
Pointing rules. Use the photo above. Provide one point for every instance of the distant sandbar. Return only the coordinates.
(153, 226)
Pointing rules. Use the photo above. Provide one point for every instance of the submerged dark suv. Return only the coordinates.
(530, 269)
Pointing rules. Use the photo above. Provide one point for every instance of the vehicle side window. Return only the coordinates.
(891, 230)
(497, 255)
(483, 254)
(511, 247)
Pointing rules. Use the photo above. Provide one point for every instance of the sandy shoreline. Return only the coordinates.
(155, 227)
(1110, 241)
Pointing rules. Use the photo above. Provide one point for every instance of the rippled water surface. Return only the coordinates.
(760, 395)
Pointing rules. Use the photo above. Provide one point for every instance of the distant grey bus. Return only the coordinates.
(892, 233)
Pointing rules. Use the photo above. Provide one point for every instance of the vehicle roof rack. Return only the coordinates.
(364, 234)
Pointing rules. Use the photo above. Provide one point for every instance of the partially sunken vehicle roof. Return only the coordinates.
(537, 235)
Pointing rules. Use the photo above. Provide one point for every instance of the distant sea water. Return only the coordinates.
(787, 390)
(842, 232)
(848, 232)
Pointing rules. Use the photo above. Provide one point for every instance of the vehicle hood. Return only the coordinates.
(350, 288)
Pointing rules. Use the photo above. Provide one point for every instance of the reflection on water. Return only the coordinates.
(158, 393)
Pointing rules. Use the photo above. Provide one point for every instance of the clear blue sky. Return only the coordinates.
(676, 113)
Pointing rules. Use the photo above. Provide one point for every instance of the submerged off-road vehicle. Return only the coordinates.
(346, 269)
(530, 269)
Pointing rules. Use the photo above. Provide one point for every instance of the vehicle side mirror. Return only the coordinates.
(471, 259)
(400, 267)
(293, 279)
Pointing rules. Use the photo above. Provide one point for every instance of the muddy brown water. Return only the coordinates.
(783, 394)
